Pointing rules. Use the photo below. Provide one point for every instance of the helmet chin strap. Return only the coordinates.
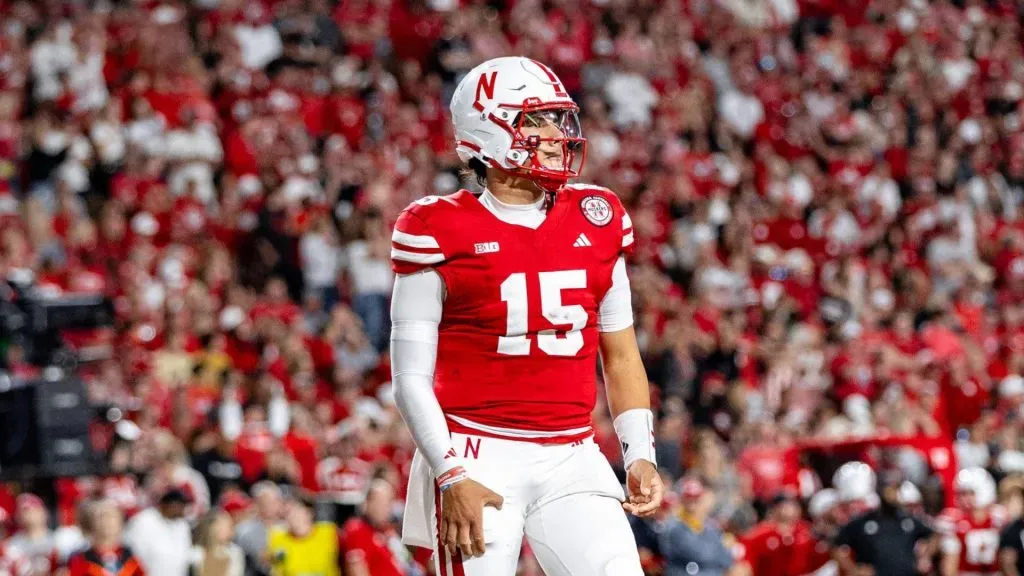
(537, 182)
(549, 199)
(548, 193)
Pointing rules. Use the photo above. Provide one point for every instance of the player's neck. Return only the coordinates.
(514, 192)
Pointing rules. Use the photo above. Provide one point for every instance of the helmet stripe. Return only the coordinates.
(554, 79)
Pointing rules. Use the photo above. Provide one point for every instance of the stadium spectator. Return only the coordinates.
(303, 546)
(886, 540)
(11, 561)
(216, 554)
(370, 541)
(710, 464)
(213, 456)
(252, 533)
(34, 541)
(777, 545)
(343, 477)
(172, 469)
(107, 552)
(691, 544)
(369, 274)
(1011, 548)
(766, 463)
(160, 537)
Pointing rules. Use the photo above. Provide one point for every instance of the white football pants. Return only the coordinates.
(563, 497)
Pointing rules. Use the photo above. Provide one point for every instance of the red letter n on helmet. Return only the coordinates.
(485, 85)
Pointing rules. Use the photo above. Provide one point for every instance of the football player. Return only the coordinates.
(970, 532)
(502, 301)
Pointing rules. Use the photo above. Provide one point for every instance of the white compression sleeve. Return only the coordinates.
(416, 304)
(616, 310)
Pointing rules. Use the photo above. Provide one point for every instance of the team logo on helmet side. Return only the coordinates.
(597, 210)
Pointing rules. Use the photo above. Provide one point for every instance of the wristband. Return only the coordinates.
(451, 478)
(635, 429)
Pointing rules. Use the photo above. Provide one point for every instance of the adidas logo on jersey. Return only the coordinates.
(486, 247)
(582, 241)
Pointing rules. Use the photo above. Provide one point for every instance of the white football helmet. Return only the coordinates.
(909, 494)
(822, 501)
(978, 482)
(493, 104)
(854, 481)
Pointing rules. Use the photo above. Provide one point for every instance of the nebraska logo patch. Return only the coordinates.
(597, 210)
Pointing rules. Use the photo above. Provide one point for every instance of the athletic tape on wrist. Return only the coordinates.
(451, 478)
(635, 430)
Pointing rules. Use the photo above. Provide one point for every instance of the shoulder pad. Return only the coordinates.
(418, 241)
(593, 210)
(588, 187)
(428, 206)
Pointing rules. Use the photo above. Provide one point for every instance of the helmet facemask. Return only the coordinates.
(547, 143)
(552, 139)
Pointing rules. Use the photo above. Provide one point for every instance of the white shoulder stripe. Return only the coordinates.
(416, 258)
(627, 239)
(413, 241)
(583, 186)
(627, 222)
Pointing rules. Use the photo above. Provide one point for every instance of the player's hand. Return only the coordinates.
(644, 489)
(462, 510)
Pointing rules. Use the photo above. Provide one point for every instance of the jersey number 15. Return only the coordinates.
(513, 294)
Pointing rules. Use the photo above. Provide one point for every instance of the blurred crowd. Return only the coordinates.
(827, 200)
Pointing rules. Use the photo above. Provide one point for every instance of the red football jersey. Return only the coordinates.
(12, 563)
(976, 541)
(381, 551)
(518, 338)
(771, 550)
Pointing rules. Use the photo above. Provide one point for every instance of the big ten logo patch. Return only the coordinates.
(485, 247)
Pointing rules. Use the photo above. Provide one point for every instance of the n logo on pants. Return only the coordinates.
(472, 448)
